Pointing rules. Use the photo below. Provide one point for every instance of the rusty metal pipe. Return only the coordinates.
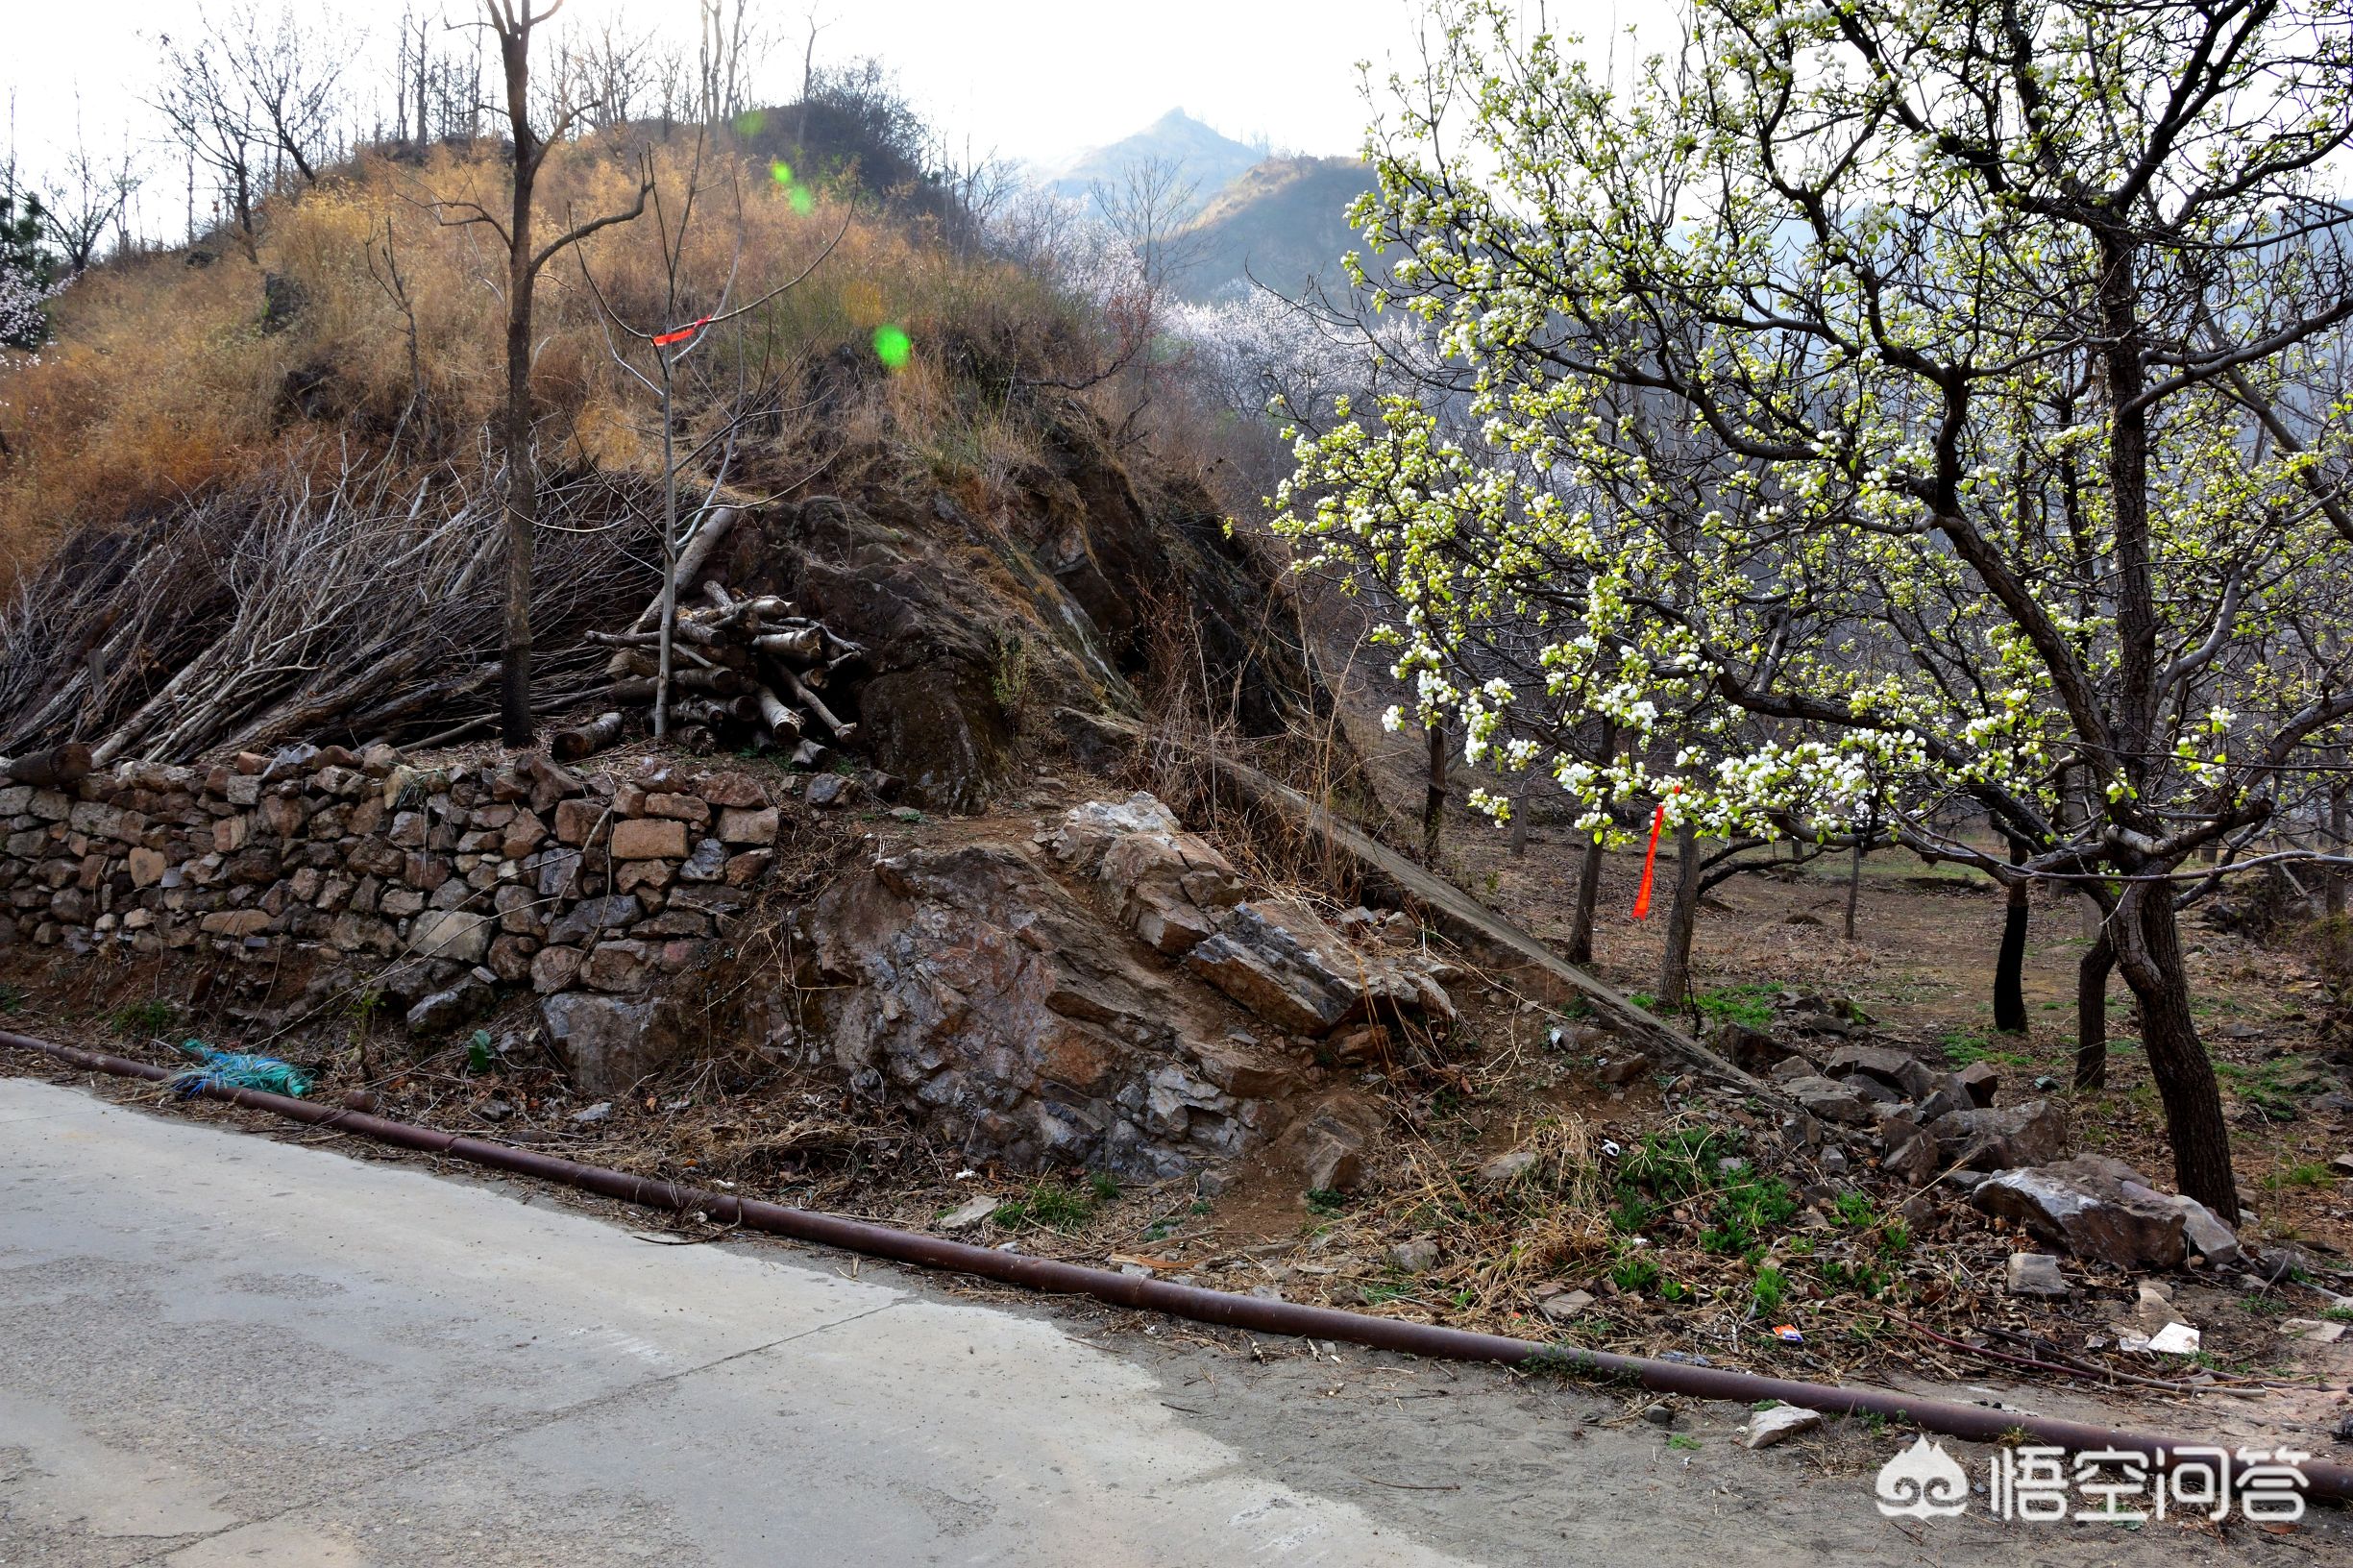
(2323, 1479)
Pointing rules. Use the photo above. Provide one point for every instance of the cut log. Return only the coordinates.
(809, 700)
(783, 723)
(802, 644)
(588, 739)
(60, 767)
(813, 755)
(706, 538)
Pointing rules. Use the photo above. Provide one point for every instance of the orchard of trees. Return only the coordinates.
(1877, 420)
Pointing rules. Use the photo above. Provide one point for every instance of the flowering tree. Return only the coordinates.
(25, 269)
(1887, 387)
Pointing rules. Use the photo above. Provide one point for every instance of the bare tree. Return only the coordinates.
(668, 344)
(730, 49)
(91, 192)
(512, 24)
(211, 117)
(292, 76)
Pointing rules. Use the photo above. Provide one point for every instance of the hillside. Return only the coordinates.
(1279, 224)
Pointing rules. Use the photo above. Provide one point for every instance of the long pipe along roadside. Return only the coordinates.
(2323, 1479)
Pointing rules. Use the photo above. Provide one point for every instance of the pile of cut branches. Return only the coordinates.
(363, 605)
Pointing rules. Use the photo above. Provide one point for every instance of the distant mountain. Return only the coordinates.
(1280, 223)
(1201, 156)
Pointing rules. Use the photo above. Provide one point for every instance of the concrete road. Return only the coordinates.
(216, 1349)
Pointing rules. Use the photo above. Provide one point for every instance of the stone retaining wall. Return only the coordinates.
(445, 882)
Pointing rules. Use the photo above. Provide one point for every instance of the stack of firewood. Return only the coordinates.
(740, 669)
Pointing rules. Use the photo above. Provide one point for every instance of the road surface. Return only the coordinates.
(222, 1349)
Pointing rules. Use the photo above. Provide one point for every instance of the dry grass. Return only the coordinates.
(167, 377)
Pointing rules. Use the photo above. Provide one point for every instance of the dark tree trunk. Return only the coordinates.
(2092, 973)
(1854, 886)
(1675, 965)
(2148, 949)
(2010, 968)
(2333, 876)
(1589, 898)
(1433, 796)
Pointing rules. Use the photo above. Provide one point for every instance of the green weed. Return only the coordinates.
(151, 1016)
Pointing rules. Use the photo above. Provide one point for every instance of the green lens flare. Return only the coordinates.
(781, 172)
(749, 122)
(891, 345)
(803, 202)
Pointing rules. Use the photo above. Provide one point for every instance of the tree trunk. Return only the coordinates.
(1519, 813)
(2333, 876)
(1854, 886)
(2091, 972)
(515, 426)
(1433, 796)
(1589, 898)
(2010, 968)
(2148, 949)
(1675, 965)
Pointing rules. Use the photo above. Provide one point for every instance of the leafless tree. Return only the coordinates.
(512, 22)
(667, 343)
(291, 74)
(211, 117)
(89, 193)
(731, 46)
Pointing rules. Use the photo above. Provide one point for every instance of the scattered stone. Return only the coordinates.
(2209, 1240)
(608, 1042)
(2097, 1208)
(1980, 1081)
(1623, 1069)
(2342, 1164)
(1897, 1070)
(968, 1214)
(601, 1110)
(1767, 1428)
(1416, 1257)
(1833, 1162)
(2036, 1274)
(2007, 1137)
(1660, 1414)
(1829, 1100)
(2312, 1330)
(827, 790)
(445, 1010)
(1566, 1307)
(1508, 1167)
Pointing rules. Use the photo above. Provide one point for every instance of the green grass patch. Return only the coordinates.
(152, 1016)
(1057, 1206)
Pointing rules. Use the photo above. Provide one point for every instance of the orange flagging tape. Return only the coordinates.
(683, 332)
(1650, 859)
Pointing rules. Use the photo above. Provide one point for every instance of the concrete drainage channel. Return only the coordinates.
(2322, 1480)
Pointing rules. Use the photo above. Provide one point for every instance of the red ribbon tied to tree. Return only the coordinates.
(682, 333)
(1650, 859)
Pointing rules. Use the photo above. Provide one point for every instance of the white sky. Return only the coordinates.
(1039, 80)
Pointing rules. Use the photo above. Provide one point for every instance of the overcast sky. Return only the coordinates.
(1039, 80)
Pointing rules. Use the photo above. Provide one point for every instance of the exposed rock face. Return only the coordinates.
(1280, 960)
(968, 982)
(1164, 884)
(1054, 595)
(609, 1043)
(2099, 1208)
